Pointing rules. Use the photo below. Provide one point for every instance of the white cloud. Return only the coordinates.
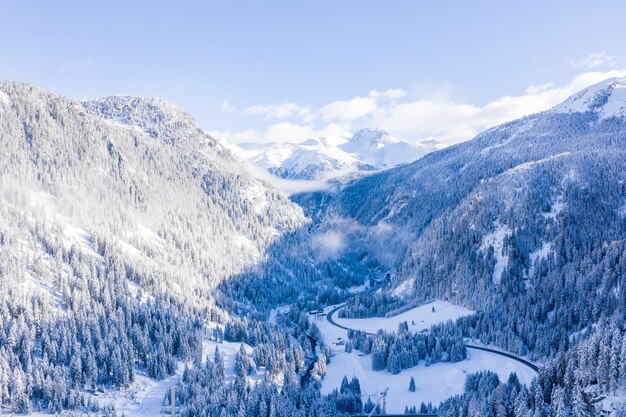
(329, 245)
(595, 60)
(391, 94)
(287, 132)
(450, 122)
(435, 116)
(348, 110)
(280, 111)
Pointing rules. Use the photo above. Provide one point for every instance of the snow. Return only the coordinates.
(366, 151)
(495, 239)
(528, 165)
(433, 383)
(145, 396)
(359, 288)
(257, 197)
(276, 311)
(378, 148)
(613, 405)
(310, 160)
(4, 99)
(403, 288)
(149, 234)
(607, 98)
(72, 235)
(129, 249)
(556, 209)
(76, 235)
(423, 316)
(539, 254)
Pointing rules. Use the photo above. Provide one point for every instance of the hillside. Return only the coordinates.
(132, 179)
(530, 210)
(119, 219)
(526, 224)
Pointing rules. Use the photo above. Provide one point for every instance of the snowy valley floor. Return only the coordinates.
(434, 383)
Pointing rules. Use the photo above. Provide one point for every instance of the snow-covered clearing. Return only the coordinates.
(495, 239)
(4, 99)
(556, 209)
(276, 311)
(434, 383)
(145, 396)
(418, 318)
(538, 255)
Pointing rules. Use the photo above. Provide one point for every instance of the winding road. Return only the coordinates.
(331, 320)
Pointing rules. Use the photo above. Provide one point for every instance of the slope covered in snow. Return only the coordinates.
(378, 148)
(470, 223)
(607, 99)
(126, 177)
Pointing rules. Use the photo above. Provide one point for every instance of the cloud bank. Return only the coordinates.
(436, 116)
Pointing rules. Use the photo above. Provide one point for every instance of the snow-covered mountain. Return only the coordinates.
(127, 236)
(312, 159)
(606, 99)
(367, 150)
(379, 149)
(527, 213)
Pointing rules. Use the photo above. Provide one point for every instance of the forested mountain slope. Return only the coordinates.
(530, 211)
(526, 224)
(118, 221)
(131, 180)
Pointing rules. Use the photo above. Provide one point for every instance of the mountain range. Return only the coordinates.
(368, 150)
(129, 238)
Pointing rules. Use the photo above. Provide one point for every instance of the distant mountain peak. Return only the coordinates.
(607, 98)
(366, 151)
(372, 137)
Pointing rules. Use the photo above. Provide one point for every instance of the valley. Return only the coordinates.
(133, 244)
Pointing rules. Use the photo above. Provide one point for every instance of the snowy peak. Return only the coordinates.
(607, 98)
(368, 138)
(313, 159)
(367, 150)
(378, 148)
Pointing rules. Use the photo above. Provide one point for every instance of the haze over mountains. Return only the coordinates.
(130, 238)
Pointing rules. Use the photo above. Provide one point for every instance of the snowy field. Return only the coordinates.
(434, 383)
(418, 318)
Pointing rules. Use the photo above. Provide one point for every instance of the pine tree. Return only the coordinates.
(412, 385)
(20, 403)
(579, 407)
(219, 364)
(558, 402)
(520, 406)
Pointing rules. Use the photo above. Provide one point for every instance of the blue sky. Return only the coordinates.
(263, 70)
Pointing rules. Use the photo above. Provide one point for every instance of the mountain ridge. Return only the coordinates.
(366, 151)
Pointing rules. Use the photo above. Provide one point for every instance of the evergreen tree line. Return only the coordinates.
(404, 349)
(569, 386)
